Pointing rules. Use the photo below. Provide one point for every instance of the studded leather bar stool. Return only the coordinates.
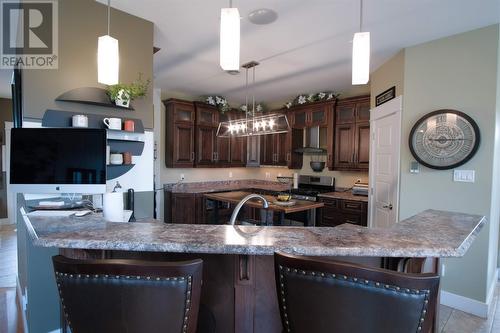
(317, 296)
(132, 296)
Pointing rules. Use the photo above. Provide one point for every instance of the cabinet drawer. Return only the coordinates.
(330, 221)
(353, 206)
(352, 219)
(331, 203)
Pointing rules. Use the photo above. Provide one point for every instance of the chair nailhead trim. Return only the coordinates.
(347, 278)
(60, 276)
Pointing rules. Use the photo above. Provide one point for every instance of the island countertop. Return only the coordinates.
(431, 233)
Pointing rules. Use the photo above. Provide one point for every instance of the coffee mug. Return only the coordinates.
(80, 120)
(116, 158)
(128, 125)
(113, 123)
(127, 158)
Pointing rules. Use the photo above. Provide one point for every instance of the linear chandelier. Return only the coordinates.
(251, 124)
(361, 53)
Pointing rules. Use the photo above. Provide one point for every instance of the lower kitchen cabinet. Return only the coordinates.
(340, 211)
(183, 208)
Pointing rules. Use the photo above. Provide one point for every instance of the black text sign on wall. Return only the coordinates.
(385, 96)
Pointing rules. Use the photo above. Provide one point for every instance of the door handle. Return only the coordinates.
(192, 156)
(288, 157)
(389, 206)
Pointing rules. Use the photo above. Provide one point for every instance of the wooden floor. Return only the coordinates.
(10, 320)
(451, 321)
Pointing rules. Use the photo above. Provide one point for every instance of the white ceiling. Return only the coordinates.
(307, 49)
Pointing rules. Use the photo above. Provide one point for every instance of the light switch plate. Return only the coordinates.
(466, 176)
(414, 167)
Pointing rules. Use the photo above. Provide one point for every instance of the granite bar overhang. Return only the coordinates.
(431, 233)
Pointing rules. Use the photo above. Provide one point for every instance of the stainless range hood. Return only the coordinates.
(314, 141)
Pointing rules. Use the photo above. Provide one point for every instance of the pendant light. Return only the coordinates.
(252, 125)
(108, 60)
(230, 38)
(361, 53)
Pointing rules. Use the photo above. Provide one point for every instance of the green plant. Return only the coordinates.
(138, 88)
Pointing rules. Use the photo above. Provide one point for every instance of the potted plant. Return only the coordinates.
(123, 93)
(219, 102)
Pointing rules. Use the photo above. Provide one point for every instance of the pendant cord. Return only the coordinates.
(109, 16)
(253, 93)
(360, 15)
(246, 95)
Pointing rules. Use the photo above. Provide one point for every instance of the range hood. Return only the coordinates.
(314, 141)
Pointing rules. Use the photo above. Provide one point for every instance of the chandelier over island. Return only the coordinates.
(251, 124)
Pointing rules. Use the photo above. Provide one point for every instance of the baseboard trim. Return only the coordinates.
(469, 305)
(19, 301)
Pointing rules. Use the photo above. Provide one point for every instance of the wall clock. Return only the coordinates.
(444, 139)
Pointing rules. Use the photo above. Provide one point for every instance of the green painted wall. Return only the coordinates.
(457, 72)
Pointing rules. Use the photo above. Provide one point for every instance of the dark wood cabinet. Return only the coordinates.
(179, 134)
(340, 211)
(352, 134)
(238, 151)
(205, 145)
(184, 208)
(274, 149)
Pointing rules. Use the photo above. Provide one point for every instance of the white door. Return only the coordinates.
(385, 127)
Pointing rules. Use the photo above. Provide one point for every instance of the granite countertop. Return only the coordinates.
(344, 195)
(431, 233)
(225, 185)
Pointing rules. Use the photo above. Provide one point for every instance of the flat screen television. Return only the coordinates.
(58, 160)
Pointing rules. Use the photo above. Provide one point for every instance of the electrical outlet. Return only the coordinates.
(182, 176)
(230, 174)
(268, 175)
(443, 270)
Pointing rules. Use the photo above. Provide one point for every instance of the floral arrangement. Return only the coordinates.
(128, 92)
(259, 107)
(309, 98)
(219, 102)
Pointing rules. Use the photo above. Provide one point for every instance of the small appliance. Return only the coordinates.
(360, 189)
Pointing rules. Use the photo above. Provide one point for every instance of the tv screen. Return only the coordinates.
(58, 156)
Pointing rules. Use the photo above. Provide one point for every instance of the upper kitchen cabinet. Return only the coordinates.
(179, 134)
(206, 115)
(352, 134)
(310, 115)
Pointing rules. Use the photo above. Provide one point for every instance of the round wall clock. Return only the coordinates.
(444, 139)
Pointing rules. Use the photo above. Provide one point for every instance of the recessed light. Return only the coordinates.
(262, 16)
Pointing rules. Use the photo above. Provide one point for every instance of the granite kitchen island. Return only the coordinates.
(238, 276)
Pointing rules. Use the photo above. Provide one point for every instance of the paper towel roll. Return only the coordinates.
(113, 207)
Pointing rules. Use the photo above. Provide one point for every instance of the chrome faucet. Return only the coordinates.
(240, 204)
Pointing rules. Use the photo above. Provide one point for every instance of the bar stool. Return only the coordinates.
(129, 295)
(317, 296)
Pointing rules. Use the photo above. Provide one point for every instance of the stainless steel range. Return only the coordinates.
(311, 186)
(308, 189)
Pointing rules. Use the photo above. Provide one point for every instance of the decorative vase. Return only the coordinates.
(123, 99)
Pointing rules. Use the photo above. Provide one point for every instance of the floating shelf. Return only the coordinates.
(90, 95)
(116, 170)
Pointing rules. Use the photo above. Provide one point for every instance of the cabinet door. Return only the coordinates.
(345, 113)
(183, 145)
(300, 118)
(183, 112)
(206, 115)
(253, 151)
(183, 208)
(238, 151)
(205, 145)
(222, 152)
(267, 153)
(363, 110)
(344, 146)
(296, 140)
(318, 116)
(362, 145)
(281, 149)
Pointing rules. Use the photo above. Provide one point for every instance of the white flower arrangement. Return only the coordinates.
(219, 102)
(259, 107)
(310, 98)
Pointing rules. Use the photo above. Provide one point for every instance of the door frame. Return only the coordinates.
(393, 107)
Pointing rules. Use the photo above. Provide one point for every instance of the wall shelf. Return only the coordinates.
(90, 95)
(116, 170)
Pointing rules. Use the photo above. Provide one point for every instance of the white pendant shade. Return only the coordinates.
(108, 60)
(230, 39)
(361, 58)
